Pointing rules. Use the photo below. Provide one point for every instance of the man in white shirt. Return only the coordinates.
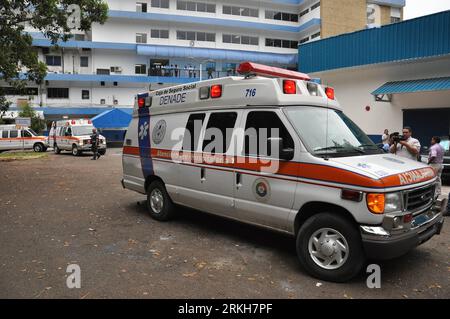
(409, 148)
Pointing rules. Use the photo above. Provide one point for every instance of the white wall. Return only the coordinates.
(353, 89)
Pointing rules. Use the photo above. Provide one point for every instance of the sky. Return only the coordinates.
(417, 8)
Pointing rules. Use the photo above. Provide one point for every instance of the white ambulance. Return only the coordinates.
(74, 136)
(13, 137)
(274, 149)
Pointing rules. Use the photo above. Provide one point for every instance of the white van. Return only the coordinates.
(75, 136)
(13, 137)
(319, 178)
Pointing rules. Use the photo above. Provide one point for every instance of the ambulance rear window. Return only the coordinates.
(223, 122)
(5, 134)
(13, 134)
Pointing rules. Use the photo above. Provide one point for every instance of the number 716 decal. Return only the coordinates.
(250, 92)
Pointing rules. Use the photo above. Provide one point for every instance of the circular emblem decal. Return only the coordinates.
(159, 131)
(261, 189)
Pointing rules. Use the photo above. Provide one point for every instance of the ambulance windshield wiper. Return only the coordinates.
(341, 148)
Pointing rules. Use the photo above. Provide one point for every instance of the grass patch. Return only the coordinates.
(17, 156)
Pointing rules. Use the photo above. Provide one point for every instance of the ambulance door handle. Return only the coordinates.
(202, 174)
(238, 180)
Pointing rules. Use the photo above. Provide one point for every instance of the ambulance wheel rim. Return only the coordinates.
(74, 150)
(328, 248)
(156, 201)
(37, 148)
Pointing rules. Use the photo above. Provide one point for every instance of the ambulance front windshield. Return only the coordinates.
(82, 130)
(329, 132)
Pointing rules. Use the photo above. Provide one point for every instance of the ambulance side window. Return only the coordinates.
(13, 134)
(192, 133)
(223, 122)
(26, 134)
(63, 131)
(5, 134)
(263, 125)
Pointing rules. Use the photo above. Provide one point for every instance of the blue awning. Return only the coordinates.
(412, 86)
(114, 118)
(216, 54)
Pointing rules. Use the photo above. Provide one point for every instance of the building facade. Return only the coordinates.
(386, 78)
(148, 44)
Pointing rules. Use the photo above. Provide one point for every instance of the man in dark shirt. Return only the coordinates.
(94, 144)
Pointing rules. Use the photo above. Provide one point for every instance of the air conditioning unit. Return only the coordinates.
(102, 101)
(116, 69)
(116, 102)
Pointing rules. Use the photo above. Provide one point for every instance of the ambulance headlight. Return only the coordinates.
(393, 202)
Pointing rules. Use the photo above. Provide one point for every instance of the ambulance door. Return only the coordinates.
(265, 196)
(217, 173)
(27, 138)
(15, 140)
(189, 171)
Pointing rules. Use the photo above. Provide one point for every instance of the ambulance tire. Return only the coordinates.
(56, 149)
(38, 147)
(159, 204)
(348, 235)
(75, 151)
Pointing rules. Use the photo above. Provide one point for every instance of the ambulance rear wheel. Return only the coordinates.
(75, 150)
(159, 204)
(56, 149)
(329, 247)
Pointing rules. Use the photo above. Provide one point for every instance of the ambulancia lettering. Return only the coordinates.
(416, 176)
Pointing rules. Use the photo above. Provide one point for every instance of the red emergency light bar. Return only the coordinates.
(247, 68)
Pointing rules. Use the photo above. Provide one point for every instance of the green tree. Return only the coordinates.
(37, 124)
(54, 18)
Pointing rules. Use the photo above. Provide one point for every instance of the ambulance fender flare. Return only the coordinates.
(150, 179)
(312, 208)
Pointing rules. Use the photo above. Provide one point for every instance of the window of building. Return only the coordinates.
(395, 19)
(79, 37)
(141, 7)
(240, 39)
(315, 6)
(199, 36)
(53, 60)
(57, 93)
(278, 43)
(140, 69)
(85, 94)
(240, 11)
(192, 132)
(267, 124)
(396, 15)
(282, 16)
(304, 40)
(13, 134)
(159, 34)
(164, 4)
(84, 61)
(304, 12)
(315, 35)
(103, 71)
(141, 37)
(223, 122)
(196, 6)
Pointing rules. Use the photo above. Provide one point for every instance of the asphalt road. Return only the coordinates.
(64, 210)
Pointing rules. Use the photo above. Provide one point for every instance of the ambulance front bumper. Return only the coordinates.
(88, 147)
(383, 244)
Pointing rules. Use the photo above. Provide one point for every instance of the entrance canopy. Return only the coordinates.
(411, 86)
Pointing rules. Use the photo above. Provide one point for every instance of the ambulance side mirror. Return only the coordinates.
(284, 153)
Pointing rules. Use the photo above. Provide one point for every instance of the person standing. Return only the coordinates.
(94, 144)
(436, 160)
(409, 147)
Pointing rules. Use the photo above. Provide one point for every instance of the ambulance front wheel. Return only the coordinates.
(75, 150)
(159, 204)
(329, 247)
